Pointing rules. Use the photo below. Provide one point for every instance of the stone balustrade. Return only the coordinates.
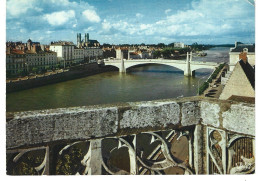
(218, 135)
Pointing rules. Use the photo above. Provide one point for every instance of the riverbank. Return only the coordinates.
(41, 80)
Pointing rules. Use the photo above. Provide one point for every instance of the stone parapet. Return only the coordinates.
(24, 129)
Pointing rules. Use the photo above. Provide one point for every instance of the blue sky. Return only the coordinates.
(131, 21)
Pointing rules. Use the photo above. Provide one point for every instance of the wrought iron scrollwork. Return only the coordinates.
(25, 159)
(241, 154)
(229, 153)
(154, 162)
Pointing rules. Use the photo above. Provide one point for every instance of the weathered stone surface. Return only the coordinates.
(36, 127)
(60, 124)
(198, 149)
(190, 113)
(210, 113)
(151, 114)
(240, 118)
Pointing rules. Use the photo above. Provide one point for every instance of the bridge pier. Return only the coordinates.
(187, 71)
(122, 68)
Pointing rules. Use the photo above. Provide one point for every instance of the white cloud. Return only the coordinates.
(106, 25)
(167, 11)
(23, 30)
(49, 32)
(139, 15)
(59, 18)
(18, 7)
(91, 16)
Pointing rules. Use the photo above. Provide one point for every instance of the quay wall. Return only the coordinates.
(74, 73)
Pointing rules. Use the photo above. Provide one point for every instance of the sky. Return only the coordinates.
(131, 21)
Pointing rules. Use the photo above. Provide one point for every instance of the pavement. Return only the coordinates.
(215, 88)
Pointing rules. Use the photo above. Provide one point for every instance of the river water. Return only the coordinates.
(149, 82)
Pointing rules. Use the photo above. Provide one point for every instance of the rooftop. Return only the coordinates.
(249, 71)
(240, 47)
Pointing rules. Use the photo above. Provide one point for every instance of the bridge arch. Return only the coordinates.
(130, 65)
(194, 68)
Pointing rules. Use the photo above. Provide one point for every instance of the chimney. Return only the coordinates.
(243, 56)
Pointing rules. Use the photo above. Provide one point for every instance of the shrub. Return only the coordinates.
(202, 88)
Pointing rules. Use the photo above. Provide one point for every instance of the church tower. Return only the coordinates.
(78, 39)
(87, 37)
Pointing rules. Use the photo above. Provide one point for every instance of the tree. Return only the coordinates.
(171, 45)
(166, 52)
(161, 45)
(156, 54)
(35, 70)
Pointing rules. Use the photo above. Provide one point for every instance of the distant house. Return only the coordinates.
(240, 47)
(241, 82)
(179, 45)
(122, 53)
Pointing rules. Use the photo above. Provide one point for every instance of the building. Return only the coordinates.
(15, 62)
(65, 52)
(135, 55)
(241, 81)
(42, 60)
(122, 53)
(86, 42)
(240, 47)
(35, 46)
(79, 54)
(179, 45)
(93, 53)
(109, 52)
(21, 60)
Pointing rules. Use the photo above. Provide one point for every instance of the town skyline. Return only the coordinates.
(135, 22)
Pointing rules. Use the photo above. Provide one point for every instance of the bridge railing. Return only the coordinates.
(176, 136)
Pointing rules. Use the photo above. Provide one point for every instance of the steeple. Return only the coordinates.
(87, 37)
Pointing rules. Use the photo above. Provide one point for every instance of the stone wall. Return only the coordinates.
(24, 129)
(73, 73)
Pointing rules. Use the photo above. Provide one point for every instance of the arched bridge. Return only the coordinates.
(188, 66)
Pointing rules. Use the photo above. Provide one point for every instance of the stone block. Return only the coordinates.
(151, 114)
(190, 113)
(210, 113)
(240, 118)
(36, 127)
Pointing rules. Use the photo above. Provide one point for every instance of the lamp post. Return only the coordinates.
(199, 82)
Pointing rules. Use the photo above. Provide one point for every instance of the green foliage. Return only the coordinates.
(69, 164)
(35, 70)
(26, 164)
(166, 52)
(209, 80)
(202, 88)
(205, 85)
(157, 54)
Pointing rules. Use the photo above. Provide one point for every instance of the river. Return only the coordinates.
(149, 82)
